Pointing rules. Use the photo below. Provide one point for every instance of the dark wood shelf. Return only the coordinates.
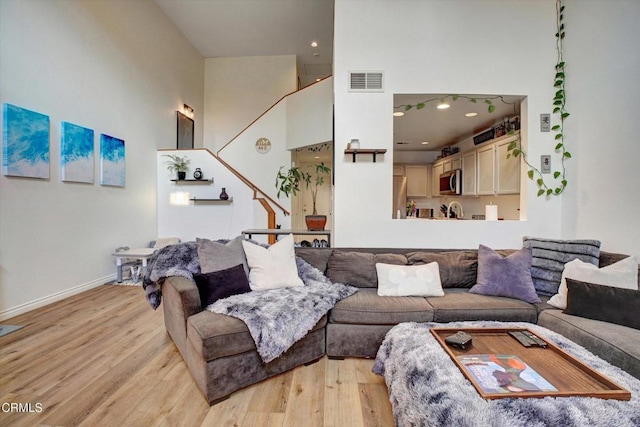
(375, 151)
(196, 200)
(194, 181)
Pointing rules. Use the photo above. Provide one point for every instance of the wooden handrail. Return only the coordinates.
(242, 178)
(265, 112)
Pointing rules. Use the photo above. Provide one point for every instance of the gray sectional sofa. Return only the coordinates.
(222, 356)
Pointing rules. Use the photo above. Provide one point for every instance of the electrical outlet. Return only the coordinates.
(545, 122)
(545, 163)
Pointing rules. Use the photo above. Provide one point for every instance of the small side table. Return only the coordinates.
(137, 253)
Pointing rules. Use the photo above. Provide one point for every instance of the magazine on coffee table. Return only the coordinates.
(503, 373)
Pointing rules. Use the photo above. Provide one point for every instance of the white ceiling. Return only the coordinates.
(231, 28)
(445, 127)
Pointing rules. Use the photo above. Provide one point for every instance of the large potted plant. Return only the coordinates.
(178, 164)
(288, 182)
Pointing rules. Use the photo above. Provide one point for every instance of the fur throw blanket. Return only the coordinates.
(278, 318)
(427, 389)
(174, 260)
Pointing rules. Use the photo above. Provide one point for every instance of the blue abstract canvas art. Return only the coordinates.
(111, 161)
(76, 153)
(25, 143)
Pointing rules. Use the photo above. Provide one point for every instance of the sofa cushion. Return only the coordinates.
(273, 267)
(550, 256)
(365, 307)
(317, 257)
(359, 268)
(216, 256)
(606, 303)
(221, 284)
(505, 277)
(616, 344)
(622, 274)
(458, 269)
(216, 335)
(459, 304)
(409, 280)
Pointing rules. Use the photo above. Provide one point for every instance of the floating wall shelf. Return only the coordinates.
(375, 151)
(193, 181)
(221, 201)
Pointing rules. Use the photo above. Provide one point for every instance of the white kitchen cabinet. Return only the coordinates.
(417, 180)
(469, 173)
(486, 170)
(398, 170)
(507, 170)
(456, 163)
(437, 170)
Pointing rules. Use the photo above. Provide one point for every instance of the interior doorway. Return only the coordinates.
(307, 158)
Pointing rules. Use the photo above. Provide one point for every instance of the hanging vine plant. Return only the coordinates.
(560, 111)
(488, 100)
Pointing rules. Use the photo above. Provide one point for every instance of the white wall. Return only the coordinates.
(218, 220)
(310, 115)
(492, 47)
(603, 131)
(120, 68)
(239, 90)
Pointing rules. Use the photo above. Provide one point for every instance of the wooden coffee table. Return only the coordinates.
(565, 373)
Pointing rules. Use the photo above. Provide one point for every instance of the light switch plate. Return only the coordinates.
(545, 122)
(545, 163)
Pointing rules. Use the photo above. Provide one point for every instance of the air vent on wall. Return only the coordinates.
(366, 81)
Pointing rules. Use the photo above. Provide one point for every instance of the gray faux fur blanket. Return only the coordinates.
(427, 389)
(278, 318)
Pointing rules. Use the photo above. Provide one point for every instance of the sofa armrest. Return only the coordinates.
(180, 300)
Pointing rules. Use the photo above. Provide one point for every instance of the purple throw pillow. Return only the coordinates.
(505, 277)
(221, 284)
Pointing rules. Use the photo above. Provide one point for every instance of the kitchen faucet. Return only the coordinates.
(451, 205)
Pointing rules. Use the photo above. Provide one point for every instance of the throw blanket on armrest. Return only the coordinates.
(175, 260)
(278, 318)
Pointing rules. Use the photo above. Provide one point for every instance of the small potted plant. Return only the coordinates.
(178, 164)
(288, 183)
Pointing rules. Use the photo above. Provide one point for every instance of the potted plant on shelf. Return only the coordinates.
(178, 164)
(288, 183)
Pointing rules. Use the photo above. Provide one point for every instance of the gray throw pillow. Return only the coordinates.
(217, 256)
(458, 269)
(505, 277)
(550, 256)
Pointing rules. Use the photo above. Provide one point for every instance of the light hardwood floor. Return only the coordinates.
(103, 358)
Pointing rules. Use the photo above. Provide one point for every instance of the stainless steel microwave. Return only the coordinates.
(451, 182)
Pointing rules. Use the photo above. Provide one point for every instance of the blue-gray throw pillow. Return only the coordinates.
(607, 303)
(221, 284)
(505, 277)
(550, 256)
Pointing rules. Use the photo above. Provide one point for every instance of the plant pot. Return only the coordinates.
(182, 175)
(315, 222)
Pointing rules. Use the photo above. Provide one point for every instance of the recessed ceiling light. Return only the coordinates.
(316, 157)
(314, 44)
(425, 143)
(443, 105)
(471, 114)
(398, 113)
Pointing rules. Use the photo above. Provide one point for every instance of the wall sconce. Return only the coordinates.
(188, 111)
(179, 198)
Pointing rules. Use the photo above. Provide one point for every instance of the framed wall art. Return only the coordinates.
(112, 166)
(25, 143)
(185, 131)
(76, 153)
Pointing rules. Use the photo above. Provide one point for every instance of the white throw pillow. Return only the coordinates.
(622, 274)
(273, 267)
(409, 280)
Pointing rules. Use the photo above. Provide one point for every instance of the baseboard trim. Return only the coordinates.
(41, 302)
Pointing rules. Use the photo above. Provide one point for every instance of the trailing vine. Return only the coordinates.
(486, 99)
(559, 110)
